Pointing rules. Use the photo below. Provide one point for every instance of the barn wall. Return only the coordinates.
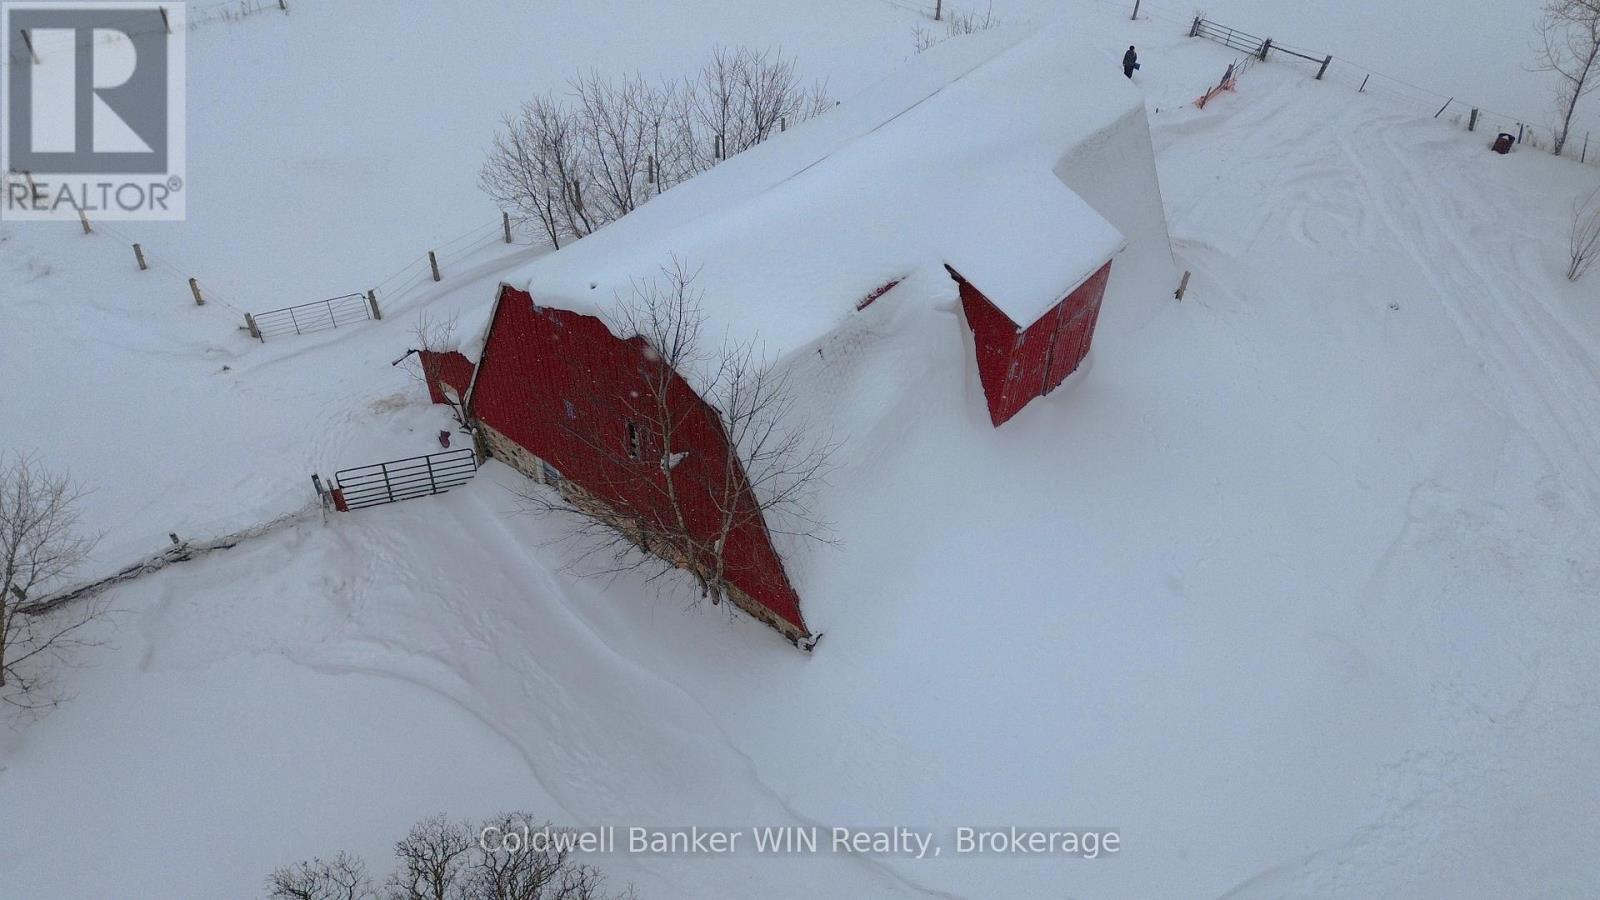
(447, 368)
(1076, 318)
(1015, 365)
(561, 387)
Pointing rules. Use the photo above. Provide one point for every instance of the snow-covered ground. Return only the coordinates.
(1307, 609)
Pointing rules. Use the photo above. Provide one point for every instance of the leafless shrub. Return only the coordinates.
(444, 860)
(957, 23)
(766, 477)
(1570, 30)
(575, 164)
(1585, 240)
(342, 878)
(40, 542)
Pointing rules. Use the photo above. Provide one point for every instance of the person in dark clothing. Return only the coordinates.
(1130, 61)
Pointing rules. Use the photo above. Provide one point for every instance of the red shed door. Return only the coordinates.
(1074, 329)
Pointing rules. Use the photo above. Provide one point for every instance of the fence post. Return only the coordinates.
(293, 320)
(250, 323)
(1472, 120)
(505, 223)
(434, 262)
(1364, 81)
(938, 9)
(372, 301)
(1519, 132)
(1266, 45)
(1182, 285)
(332, 319)
(165, 23)
(84, 218)
(388, 486)
(28, 40)
(1135, 16)
(283, 5)
(138, 253)
(1194, 30)
(433, 486)
(1325, 64)
(194, 288)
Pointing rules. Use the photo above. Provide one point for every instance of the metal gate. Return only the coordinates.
(403, 479)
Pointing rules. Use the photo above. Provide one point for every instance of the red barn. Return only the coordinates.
(987, 187)
(549, 399)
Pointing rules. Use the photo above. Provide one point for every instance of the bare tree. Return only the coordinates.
(764, 479)
(342, 878)
(444, 860)
(574, 167)
(40, 541)
(1570, 31)
(529, 872)
(1585, 240)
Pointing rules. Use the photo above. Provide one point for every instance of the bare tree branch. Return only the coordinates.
(764, 479)
(1570, 32)
(40, 542)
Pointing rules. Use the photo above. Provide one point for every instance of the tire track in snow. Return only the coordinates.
(1529, 356)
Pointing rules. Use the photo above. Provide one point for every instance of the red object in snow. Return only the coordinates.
(1016, 363)
(556, 394)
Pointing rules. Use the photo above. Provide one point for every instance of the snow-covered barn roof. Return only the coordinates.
(949, 161)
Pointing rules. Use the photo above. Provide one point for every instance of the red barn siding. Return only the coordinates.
(560, 384)
(1017, 364)
(447, 368)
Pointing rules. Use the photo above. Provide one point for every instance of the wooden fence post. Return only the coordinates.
(1519, 132)
(84, 218)
(1135, 16)
(250, 323)
(1182, 285)
(434, 262)
(194, 288)
(138, 253)
(1266, 46)
(505, 223)
(28, 40)
(1325, 64)
(372, 301)
(938, 9)
(1472, 120)
(1194, 30)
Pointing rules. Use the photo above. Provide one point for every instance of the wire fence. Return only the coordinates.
(28, 49)
(1531, 130)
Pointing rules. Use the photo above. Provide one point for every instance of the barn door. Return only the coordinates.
(1069, 340)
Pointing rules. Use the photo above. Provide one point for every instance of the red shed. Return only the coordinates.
(1020, 361)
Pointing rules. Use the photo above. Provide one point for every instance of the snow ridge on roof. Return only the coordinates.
(949, 161)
